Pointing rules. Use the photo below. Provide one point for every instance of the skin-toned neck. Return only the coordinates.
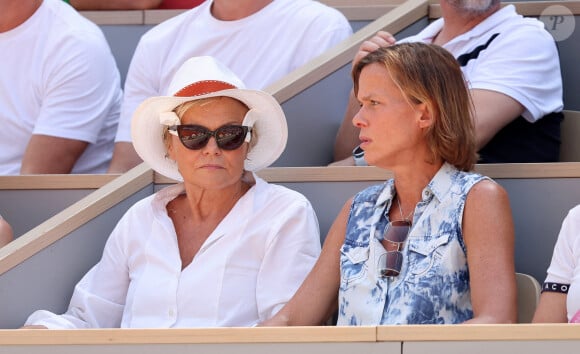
(13, 13)
(409, 184)
(206, 204)
(410, 180)
(198, 213)
(457, 22)
(231, 10)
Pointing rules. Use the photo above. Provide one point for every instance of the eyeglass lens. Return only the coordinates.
(397, 231)
(391, 262)
(228, 137)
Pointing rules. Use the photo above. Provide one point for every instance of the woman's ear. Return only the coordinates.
(425, 117)
(247, 147)
(168, 141)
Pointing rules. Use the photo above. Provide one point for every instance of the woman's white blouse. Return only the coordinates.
(246, 270)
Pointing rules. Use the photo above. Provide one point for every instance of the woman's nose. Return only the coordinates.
(358, 119)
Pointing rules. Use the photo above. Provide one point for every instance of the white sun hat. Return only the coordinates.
(198, 78)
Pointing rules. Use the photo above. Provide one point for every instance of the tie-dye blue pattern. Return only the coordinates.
(433, 286)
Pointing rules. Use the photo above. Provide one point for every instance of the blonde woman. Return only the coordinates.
(221, 248)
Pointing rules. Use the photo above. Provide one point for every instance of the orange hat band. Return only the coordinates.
(203, 87)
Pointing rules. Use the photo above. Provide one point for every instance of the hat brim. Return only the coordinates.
(271, 130)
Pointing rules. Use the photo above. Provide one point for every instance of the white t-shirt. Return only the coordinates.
(58, 77)
(247, 269)
(521, 62)
(260, 49)
(565, 265)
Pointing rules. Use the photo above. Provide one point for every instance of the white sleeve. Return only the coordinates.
(524, 65)
(99, 298)
(289, 257)
(565, 258)
(322, 33)
(82, 90)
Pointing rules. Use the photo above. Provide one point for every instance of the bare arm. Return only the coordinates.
(551, 309)
(493, 111)
(115, 4)
(316, 299)
(6, 234)
(489, 238)
(49, 154)
(124, 158)
(347, 136)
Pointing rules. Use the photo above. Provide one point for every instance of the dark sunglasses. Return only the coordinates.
(391, 262)
(195, 137)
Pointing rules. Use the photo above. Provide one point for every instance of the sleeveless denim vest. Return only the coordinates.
(433, 286)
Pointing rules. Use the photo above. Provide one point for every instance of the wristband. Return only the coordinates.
(556, 288)
(359, 156)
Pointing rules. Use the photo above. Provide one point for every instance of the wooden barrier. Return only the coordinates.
(444, 339)
(55, 254)
(26, 201)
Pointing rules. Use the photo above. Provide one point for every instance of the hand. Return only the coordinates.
(381, 39)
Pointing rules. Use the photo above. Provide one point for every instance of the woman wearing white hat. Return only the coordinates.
(223, 248)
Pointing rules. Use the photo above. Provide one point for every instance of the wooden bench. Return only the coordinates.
(52, 256)
(415, 339)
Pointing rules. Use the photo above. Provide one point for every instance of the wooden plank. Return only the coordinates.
(154, 17)
(55, 181)
(475, 332)
(74, 216)
(198, 335)
(321, 334)
(297, 174)
(129, 17)
(531, 170)
(338, 56)
(369, 173)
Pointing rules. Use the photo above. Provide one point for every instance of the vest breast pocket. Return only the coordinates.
(353, 265)
(427, 255)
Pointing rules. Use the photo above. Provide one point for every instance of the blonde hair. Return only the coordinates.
(429, 74)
